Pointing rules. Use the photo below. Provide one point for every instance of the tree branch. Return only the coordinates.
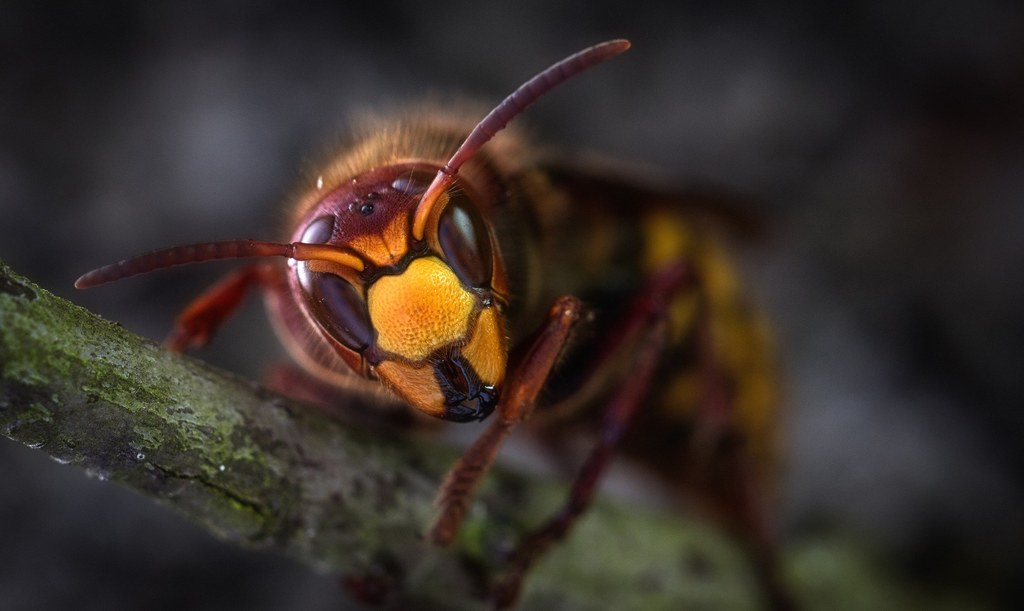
(259, 470)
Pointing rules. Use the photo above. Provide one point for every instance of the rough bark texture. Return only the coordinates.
(261, 471)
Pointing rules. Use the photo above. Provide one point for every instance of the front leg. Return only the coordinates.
(531, 375)
(647, 328)
(620, 411)
(525, 383)
(202, 317)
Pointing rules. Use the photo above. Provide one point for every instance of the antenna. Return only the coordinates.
(211, 251)
(497, 119)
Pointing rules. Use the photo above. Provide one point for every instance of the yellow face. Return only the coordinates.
(445, 350)
(424, 317)
(420, 310)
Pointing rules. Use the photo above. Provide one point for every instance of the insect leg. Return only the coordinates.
(196, 325)
(724, 465)
(648, 316)
(720, 459)
(524, 385)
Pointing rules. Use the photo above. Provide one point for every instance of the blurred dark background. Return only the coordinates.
(884, 143)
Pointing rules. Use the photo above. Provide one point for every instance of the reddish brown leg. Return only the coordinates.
(741, 495)
(522, 389)
(198, 322)
(620, 411)
(761, 542)
(719, 448)
(647, 315)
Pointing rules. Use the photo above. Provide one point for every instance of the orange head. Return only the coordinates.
(397, 271)
(423, 315)
(421, 308)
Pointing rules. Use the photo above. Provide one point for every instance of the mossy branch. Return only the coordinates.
(259, 470)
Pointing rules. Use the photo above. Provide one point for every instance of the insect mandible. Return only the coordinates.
(455, 274)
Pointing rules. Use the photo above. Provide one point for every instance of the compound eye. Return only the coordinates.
(466, 243)
(339, 308)
(336, 305)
